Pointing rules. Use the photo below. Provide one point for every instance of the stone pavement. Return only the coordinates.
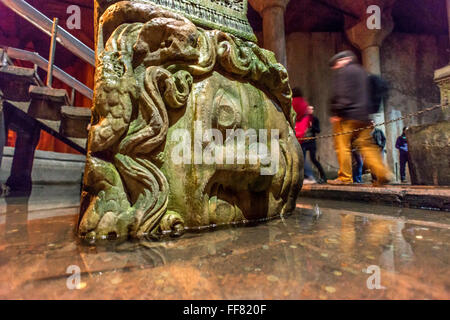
(424, 197)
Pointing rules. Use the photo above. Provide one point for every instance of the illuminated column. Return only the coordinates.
(442, 78)
(369, 41)
(374, 26)
(272, 13)
(448, 16)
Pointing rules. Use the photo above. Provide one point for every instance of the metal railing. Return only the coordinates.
(42, 22)
(43, 64)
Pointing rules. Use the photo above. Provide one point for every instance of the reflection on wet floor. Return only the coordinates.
(321, 251)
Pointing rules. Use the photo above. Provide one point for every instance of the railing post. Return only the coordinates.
(51, 58)
(40, 21)
(4, 61)
(72, 97)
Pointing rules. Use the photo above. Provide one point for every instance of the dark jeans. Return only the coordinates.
(358, 167)
(403, 161)
(311, 147)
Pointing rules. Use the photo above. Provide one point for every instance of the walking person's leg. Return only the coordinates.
(403, 160)
(409, 170)
(358, 169)
(308, 170)
(371, 154)
(342, 145)
(312, 155)
(354, 167)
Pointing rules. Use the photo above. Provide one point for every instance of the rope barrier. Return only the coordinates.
(411, 115)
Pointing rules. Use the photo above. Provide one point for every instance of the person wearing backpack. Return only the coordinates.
(380, 141)
(351, 105)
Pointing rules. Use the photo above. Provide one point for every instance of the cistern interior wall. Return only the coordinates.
(413, 42)
(314, 30)
(408, 62)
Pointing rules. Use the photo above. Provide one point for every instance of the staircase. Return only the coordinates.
(28, 107)
(21, 88)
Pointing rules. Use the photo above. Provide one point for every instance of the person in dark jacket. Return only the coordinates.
(402, 146)
(350, 109)
(310, 145)
(379, 138)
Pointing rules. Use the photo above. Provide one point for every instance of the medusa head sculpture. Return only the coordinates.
(160, 80)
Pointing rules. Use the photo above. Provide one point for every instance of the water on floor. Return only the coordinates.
(324, 250)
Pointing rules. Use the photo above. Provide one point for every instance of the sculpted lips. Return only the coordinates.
(237, 196)
(222, 204)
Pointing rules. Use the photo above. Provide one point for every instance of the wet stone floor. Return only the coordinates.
(324, 250)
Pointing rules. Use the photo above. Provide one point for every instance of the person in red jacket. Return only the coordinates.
(302, 123)
(300, 107)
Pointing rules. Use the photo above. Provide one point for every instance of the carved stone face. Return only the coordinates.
(221, 193)
(158, 75)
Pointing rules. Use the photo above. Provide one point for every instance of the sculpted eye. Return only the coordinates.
(227, 114)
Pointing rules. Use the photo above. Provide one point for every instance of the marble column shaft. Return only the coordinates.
(448, 16)
(369, 42)
(272, 13)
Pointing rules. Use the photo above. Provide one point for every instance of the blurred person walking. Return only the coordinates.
(350, 108)
(310, 145)
(302, 123)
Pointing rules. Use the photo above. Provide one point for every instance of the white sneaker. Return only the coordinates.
(309, 181)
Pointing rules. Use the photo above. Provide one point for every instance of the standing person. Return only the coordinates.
(402, 146)
(310, 145)
(300, 106)
(379, 138)
(350, 109)
(380, 141)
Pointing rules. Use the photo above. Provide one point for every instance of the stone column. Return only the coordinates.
(369, 42)
(448, 16)
(428, 150)
(272, 13)
(442, 78)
